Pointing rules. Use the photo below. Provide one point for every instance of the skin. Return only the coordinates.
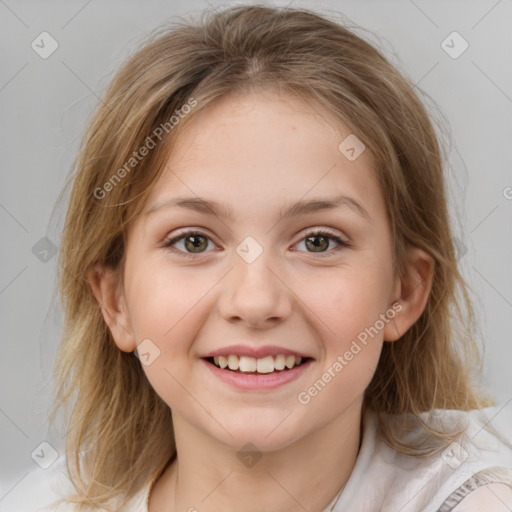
(257, 153)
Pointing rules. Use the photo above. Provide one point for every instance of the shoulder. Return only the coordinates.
(476, 468)
(37, 489)
(45, 490)
(489, 489)
(479, 455)
(496, 497)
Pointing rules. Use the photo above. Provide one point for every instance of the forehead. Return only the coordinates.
(258, 148)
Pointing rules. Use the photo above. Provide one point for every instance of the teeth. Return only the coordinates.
(266, 364)
(280, 362)
(263, 365)
(233, 362)
(247, 364)
(290, 361)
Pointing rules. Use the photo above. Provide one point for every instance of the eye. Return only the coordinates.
(193, 241)
(319, 241)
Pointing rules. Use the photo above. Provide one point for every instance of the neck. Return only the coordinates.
(305, 475)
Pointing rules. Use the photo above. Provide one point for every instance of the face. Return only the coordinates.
(251, 280)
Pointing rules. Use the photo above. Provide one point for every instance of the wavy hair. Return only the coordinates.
(114, 443)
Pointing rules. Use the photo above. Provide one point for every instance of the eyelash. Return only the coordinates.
(321, 232)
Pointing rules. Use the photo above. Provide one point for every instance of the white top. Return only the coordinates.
(478, 467)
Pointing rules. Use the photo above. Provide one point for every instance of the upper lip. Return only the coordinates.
(257, 353)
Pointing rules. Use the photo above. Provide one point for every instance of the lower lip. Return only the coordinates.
(256, 382)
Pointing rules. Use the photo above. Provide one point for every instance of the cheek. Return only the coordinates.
(159, 296)
(348, 302)
(165, 307)
(348, 299)
(348, 310)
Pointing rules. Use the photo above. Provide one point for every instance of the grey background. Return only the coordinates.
(45, 104)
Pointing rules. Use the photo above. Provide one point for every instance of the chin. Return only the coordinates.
(267, 433)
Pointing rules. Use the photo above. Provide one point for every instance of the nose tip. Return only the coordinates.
(254, 293)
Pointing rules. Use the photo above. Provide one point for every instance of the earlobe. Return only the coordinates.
(414, 289)
(105, 285)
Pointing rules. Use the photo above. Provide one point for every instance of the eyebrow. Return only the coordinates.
(300, 207)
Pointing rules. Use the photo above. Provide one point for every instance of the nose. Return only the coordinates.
(255, 294)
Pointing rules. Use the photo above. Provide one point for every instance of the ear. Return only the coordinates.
(412, 290)
(106, 286)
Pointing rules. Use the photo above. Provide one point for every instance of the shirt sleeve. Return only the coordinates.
(489, 489)
(495, 497)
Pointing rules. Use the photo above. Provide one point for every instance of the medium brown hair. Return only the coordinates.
(114, 441)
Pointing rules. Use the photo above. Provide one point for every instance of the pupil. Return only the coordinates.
(318, 244)
(196, 242)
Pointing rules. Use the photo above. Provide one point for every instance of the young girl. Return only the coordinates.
(261, 289)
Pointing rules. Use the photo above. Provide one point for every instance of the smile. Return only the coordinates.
(257, 374)
(246, 364)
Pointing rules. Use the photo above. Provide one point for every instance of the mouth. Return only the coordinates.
(280, 363)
